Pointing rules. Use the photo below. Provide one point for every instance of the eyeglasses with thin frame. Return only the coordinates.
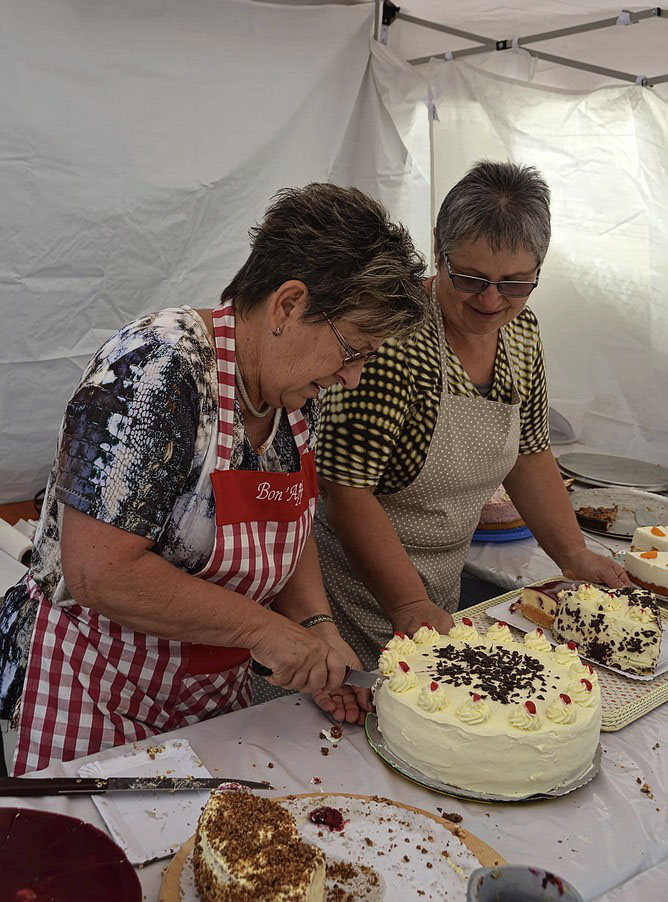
(352, 355)
(509, 288)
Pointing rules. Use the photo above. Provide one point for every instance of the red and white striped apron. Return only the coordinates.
(92, 684)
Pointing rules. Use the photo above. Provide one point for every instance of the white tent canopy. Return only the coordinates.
(141, 139)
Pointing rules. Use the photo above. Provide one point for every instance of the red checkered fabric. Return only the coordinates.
(92, 684)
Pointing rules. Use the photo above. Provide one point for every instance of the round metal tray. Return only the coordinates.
(627, 501)
(377, 743)
(606, 469)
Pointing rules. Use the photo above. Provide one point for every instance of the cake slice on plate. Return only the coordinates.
(539, 603)
(650, 538)
(600, 518)
(248, 849)
(648, 569)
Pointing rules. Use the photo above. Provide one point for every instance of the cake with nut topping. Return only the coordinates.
(248, 848)
(487, 713)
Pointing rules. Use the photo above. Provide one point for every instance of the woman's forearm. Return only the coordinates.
(372, 547)
(538, 492)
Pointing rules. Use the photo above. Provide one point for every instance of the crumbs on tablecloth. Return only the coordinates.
(316, 780)
(324, 751)
(154, 750)
(647, 789)
(655, 747)
(271, 764)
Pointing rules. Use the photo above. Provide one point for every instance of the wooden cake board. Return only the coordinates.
(170, 891)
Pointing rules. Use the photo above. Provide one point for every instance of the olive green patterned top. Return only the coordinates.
(378, 435)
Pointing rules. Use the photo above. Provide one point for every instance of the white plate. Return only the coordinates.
(395, 833)
(627, 500)
(150, 825)
(502, 612)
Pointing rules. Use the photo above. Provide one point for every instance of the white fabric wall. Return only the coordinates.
(140, 140)
(386, 149)
(603, 298)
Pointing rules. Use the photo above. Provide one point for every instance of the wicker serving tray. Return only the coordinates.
(623, 700)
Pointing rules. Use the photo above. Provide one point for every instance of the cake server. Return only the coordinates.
(48, 786)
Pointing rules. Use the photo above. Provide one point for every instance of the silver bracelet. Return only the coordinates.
(315, 619)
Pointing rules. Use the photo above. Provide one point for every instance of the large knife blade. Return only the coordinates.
(361, 678)
(47, 786)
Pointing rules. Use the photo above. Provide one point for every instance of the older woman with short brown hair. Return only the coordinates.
(175, 539)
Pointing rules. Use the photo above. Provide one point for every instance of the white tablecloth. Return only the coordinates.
(609, 839)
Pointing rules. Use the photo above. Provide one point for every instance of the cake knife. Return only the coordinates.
(360, 678)
(47, 786)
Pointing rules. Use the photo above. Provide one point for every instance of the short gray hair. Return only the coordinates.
(506, 205)
(355, 262)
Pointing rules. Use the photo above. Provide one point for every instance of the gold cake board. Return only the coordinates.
(623, 699)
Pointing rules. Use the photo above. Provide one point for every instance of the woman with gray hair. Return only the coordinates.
(174, 543)
(408, 459)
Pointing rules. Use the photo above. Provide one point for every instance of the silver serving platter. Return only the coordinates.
(627, 500)
(377, 743)
(606, 469)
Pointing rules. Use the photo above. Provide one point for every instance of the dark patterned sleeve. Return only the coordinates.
(360, 428)
(534, 427)
(129, 436)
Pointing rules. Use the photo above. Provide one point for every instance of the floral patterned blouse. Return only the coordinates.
(136, 449)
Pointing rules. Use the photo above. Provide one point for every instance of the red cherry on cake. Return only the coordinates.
(433, 686)
(400, 635)
(590, 668)
(531, 708)
(572, 645)
(476, 697)
(501, 623)
(566, 699)
(428, 625)
(539, 631)
(466, 621)
(586, 684)
(404, 666)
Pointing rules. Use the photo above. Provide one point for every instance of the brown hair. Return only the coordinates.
(355, 262)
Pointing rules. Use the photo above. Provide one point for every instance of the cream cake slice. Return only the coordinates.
(650, 538)
(617, 627)
(648, 569)
(539, 603)
(248, 849)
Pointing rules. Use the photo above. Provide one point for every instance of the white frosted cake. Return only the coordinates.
(616, 627)
(487, 713)
(248, 848)
(650, 538)
(648, 569)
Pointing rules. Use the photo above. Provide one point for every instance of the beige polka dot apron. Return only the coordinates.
(474, 446)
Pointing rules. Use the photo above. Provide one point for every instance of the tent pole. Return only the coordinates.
(376, 21)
